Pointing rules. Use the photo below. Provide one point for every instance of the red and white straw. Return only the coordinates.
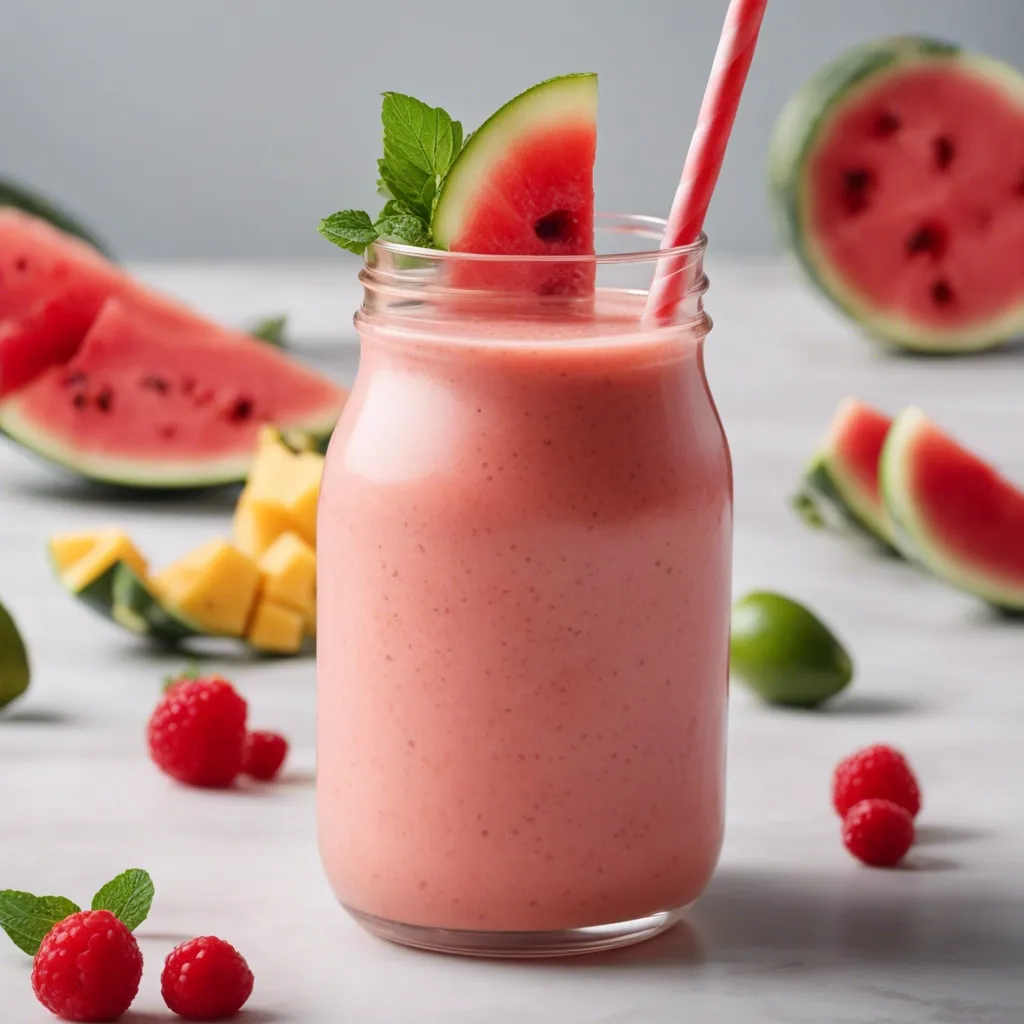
(706, 153)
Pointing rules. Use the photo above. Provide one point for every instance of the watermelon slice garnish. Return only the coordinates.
(104, 376)
(952, 512)
(523, 185)
(897, 177)
(843, 474)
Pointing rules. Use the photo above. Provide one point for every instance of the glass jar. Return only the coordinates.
(524, 555)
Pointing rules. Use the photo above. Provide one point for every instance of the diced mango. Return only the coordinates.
(214, 587)
(275, 628)
(289, 573)
(304, 492)
(257, 525)
(68, 548)
(112, 546)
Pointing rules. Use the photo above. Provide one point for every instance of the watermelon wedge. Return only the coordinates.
(897, 181)
(118, 383)
(156, 396)
(842, 476)
(953, 513)
(522, 185)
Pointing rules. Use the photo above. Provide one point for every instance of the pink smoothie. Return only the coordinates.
(524, 586)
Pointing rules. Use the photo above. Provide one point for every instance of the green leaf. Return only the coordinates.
(420, 143)
(27, 918)
(128, 897)
(405, 228)
(271, 330)
(349, 229)
(191, 671)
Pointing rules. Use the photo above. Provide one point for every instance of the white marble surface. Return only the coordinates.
(792, 930)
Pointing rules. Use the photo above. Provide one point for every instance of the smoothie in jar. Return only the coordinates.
(524, 558)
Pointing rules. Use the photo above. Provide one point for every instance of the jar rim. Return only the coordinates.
(637, 225)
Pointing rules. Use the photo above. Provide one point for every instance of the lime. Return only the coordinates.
(14, 670)
(785, 653)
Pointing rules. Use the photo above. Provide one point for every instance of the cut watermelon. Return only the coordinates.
(843, 474)
(953, 513)
(897, 179)
(523, 185)
(157, 396)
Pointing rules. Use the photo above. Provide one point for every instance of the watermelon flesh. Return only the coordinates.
(953, 512)
(523, 186)
(158, 396)
(844, 473)
(916, 197)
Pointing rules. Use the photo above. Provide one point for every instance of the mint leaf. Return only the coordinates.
(404, 227)
(349, 229)
(27, 918)
(128, 897)
(420, 143)
(271, 330)
(382, 185)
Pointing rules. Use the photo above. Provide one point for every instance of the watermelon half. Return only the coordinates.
(897, 180)
(523, 185)
(842, 476)
(953, 513)
(119, 384)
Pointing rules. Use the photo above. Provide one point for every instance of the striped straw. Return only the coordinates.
(706, 153)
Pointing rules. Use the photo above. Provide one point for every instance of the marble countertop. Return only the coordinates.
(792, 930)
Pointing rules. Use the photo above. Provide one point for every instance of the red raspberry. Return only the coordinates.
(875, 772)
(196, 733)
(205, 979)
(878, 832)
(264, 754)
(88, 967)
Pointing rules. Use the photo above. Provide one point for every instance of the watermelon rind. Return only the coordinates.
(912, 536)
(23, 198)
(552, 101)
(798, 128)
(150, 474)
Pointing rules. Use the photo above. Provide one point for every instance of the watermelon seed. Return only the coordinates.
(945, 150)
(241, 410)
(928, 238)
(942, 294)
(21, 264)
(857, 183)
(72, 378)
(555, 226)
(104, 400)
(80, 401)
(168, 431)
(886, 124)
(157, 384)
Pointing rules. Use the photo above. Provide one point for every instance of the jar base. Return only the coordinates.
(520, 945)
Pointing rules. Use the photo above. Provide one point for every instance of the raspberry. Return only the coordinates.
(205, 979)
(196, 733)
(264, 754)
(88, 967)
(878, 832)
(875, 772)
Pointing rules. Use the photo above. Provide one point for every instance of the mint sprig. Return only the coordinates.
(271, 330)
(128, 897)
(28, 919)
(420, 145)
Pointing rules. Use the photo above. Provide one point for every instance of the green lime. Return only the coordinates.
(785, 653)
(14, 671)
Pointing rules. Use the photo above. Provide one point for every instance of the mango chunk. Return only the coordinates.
(289, 573)
(257, 525)
(304, 493)
(260, 515)
(112, 546)
(275, 628)
(67, 548)
(214, 587)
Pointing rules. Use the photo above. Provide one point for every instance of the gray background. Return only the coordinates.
(227, 128)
